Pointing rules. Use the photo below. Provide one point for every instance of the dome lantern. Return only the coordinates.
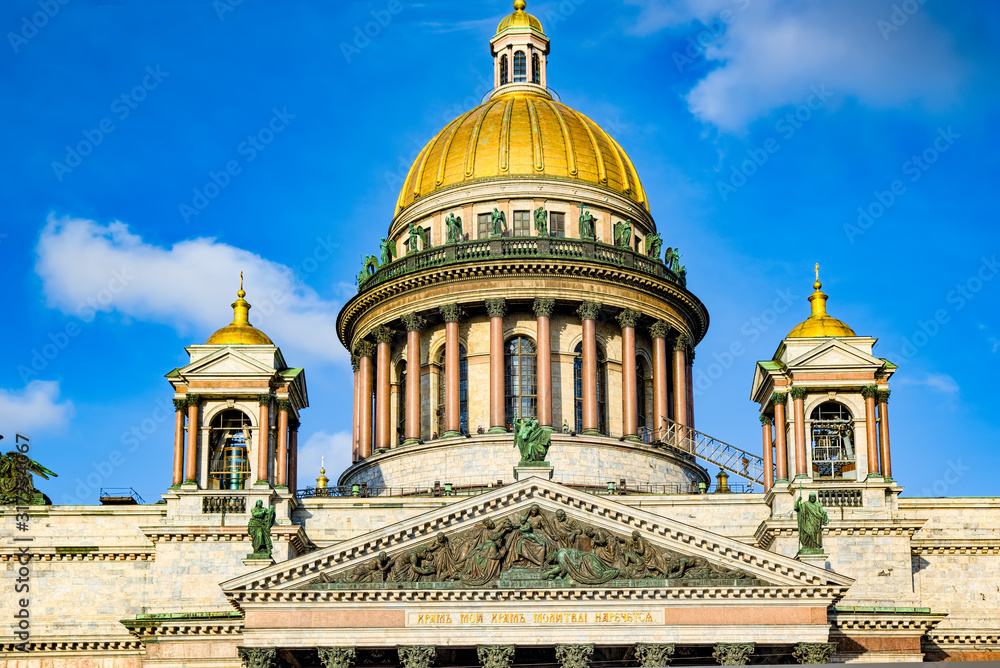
(520, 51)
(239, 331)
(819, 323)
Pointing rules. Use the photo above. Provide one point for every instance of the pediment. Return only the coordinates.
(687, 556)
(226, 362)
(834, 354)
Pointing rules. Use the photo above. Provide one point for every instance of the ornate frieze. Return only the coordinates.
(495, 656)
(336, 657)
(451, 312)
(416, 656)
(652, 655)
(589, 310)
(544, 306)
(574, 656)
(814, 652)
(83, 554)
(628, 318)
(258, 657)
(496, 308)
(732, 653)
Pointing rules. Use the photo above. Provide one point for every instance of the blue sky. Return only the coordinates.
(151, 150)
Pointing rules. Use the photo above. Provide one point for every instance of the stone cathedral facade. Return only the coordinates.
(528, 485)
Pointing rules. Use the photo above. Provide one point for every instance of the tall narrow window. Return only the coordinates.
(602, 389)
(520, 68)
(832, 440)
(401, 402)
(483, 226)
(557, 224)
(520, 387)
(463, 392)
(503, 69)
(640, 394)
(536, 69)
(522, 223)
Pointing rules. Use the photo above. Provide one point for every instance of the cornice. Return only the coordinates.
(83, 554)
(292, 534)
(955, 545)
(890, 621)
(965, 638)
(151, 628)
(769, 530)
(70, 645)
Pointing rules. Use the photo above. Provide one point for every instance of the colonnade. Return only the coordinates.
(185, 469)
(373, 431)
(876, 425)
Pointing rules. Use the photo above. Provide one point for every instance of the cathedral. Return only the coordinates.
(528, 485)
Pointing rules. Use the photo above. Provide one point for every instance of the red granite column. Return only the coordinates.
(630, 407)
(588, 312)
(364, 350)
(281, 451)
(293, 455)
(869, 392)
(383, 428)
(689, 378)
(496, 308)
(413, 323)
(451, 313)
(356, 365)
(780, 429)
(180, 408)
(680, 380)
(883, 412)
(765, 421)
(798, 406)
(543, 311)
(658, 332)
(263, 436)
(191, 464)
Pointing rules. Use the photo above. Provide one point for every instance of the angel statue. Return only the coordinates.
(16, 485)
(531, 439)
(653, 245)
(542, 222)
(454, 225)
(498, 223)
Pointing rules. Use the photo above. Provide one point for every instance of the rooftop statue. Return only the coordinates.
(369, 265)
(531, 439)
(17, 487)
(588, 224)
(623, 234)
(259, 528)
(387, 249)
(811, 518)
(542, 221)
(498, 223)
(653, 245)
(454, 226)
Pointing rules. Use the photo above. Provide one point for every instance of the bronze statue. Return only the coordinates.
(485, 562)
(542, 222)
(17, 487)
(651, 559)
(525, 545)
(375, 570)
(259, 528)
(588, 224)
(416, 236)
(623, 234)
(454, 226)
(531, 439)
(498, 223)
(410, 566)
(653, 245)
(440, 554)
(811, 519)
(606, 546)
(388, 251)
(672, 258)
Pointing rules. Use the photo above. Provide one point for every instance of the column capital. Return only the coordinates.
(732, 653)
(778, 398)
(651, 655)
(364, 349)
(336, 657)
(263, 399)
(495, 656)
(659, 329)
(681, 342)
(284, 405)
(690, 354)
(383, 334)
(766, 419)
(797, 392)
(416, 656)
(451, 312)
(180, 405)
(574, 656)
(496, 308)
(258, 657)
(869, 391)
(814, 652)
(355, 362)
(882, 396)
(293, 423)
(628, 318)
(193, 400)
(543, 306)
(588, 311)
(413, 322)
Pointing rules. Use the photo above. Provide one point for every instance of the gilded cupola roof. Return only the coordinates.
(516, 136)
(239, 331)
(819, 323)
(519, 19)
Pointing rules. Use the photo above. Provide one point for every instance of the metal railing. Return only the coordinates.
(500, 248)
(121, 493)
(728, 457)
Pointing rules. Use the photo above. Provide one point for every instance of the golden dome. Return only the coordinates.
(521, 135)
(819, 323)
(520, 19)
(239, 331)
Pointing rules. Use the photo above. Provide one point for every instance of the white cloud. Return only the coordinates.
(336, 448)
(87, 268)
(940, 382)
(34, 409)
(769, 53)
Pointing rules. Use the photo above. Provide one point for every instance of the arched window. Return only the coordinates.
(401, 403)
(832, 440)
(520, 386)
(602, 389)
(503, 69)
(536, 69)
(229, 449)
(640, 393)
(463, 392)
(520, 67)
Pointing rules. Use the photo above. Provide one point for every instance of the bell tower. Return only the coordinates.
(520, 52)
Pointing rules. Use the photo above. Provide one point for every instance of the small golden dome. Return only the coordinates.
(521, 135)
(322, 481)
(819, 323)
(520, 19)
(239, 331)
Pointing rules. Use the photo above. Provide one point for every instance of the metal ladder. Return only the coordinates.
(725, 456)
